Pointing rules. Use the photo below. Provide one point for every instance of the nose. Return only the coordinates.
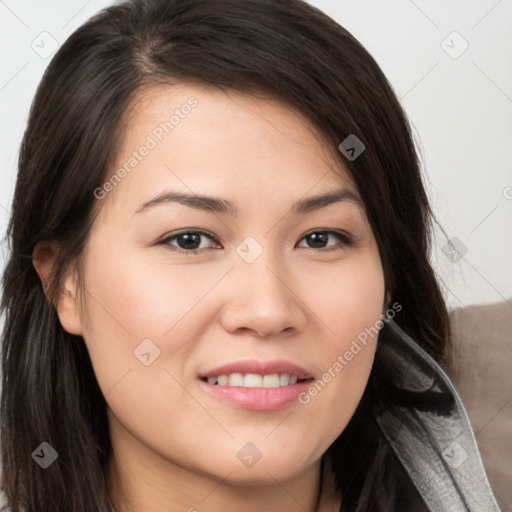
(262, 299)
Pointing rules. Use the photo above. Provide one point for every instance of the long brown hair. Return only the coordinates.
(286, 47)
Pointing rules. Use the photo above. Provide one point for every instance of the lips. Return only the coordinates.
(286, 381)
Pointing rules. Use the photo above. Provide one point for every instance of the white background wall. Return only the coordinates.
(461, 110)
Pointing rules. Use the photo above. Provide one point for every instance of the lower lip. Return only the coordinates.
(257, 399)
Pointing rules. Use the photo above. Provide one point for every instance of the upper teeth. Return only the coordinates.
(253, 380)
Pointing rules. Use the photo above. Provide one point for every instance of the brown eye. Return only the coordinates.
(188, 242)
(317, 240)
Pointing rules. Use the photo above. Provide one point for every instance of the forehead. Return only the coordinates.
(163, 113)
(203, 138)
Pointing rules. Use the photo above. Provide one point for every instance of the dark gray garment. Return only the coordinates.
(434, 441)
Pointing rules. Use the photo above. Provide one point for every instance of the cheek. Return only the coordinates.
(349, 308)
(153, 293)
(129, 299)
(134, 305)
(347, 300)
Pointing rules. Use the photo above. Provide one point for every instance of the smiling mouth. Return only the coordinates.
(254, 380)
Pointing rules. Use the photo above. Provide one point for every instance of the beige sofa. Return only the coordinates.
(480, 366)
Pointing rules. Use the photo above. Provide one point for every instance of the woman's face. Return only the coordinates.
(269, 289)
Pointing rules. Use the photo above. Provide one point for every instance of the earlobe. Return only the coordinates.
(43, 258)
(387, 302)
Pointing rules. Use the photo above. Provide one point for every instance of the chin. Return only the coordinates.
(271, 466)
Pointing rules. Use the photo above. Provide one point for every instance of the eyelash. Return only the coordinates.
(345, 239)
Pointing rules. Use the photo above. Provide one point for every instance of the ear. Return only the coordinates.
(43, 258)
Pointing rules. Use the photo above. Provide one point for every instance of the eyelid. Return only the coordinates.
(190, 230)
(347, 240)
(195, 231)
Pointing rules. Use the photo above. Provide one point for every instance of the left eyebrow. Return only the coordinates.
(224, 207)
(316, 202)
